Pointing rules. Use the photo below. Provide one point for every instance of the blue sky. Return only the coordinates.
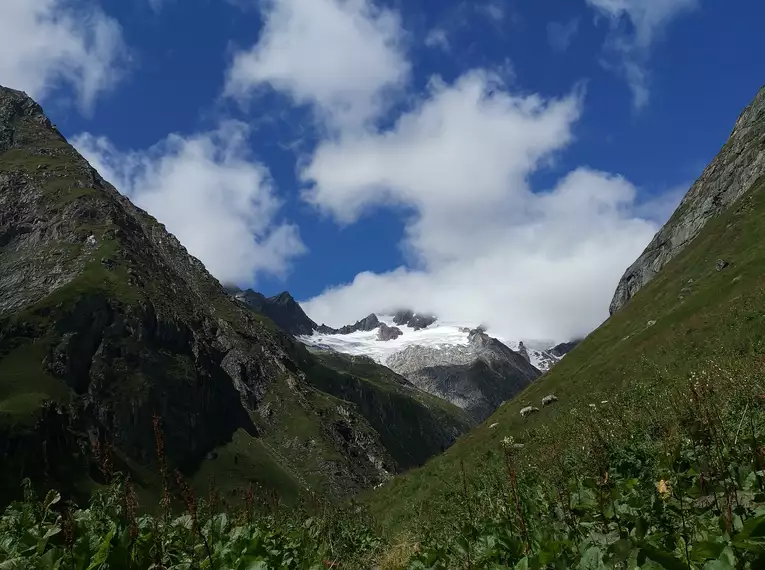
(491, 161)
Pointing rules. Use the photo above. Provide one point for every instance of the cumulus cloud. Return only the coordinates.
(339, 55)
(482, 244)
(47, 43)
(560, 34)
(485, 246)
(635, 25)
(220, 204)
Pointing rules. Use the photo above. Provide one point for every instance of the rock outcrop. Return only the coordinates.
(368, 323)
(524, 352)
(740, 163)
(562, 349)
(477, 376)
(413, 320)
(386, 333)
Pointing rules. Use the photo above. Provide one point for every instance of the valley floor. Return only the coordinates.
(677, 485)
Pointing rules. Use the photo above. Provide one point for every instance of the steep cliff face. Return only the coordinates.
(731, 174)
(108, 327)
(413, 425)
(476, 377)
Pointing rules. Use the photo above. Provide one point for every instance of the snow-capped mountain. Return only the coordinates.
(463, 365)
(439, 334)
(455, 361)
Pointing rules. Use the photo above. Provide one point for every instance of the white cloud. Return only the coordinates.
(339, 55)
(644, 20)
(560, 35)
(46, 43)
(437, 38)
(485, 246)
(217, 202)
(482, 245)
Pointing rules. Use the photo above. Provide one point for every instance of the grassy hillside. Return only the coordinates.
(690, 319)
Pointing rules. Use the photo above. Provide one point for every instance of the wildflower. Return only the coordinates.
(664, 489)
(508, 441)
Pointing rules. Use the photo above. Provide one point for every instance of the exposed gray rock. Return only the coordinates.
(477, 376)
(368, 323)
(523, 352)
(564, 348)
(740, 163)
(413, 320)
(386, 333)
(721, 264)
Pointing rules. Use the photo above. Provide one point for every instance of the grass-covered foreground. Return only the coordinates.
(673, 485)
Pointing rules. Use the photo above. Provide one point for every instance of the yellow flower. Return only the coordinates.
(664, 489)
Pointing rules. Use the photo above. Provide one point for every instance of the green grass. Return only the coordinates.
(246, 460)
(692, 498)
(24, 385)
(720, 321)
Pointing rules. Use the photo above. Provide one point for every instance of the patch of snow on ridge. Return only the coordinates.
(365, 343)
(441, 334)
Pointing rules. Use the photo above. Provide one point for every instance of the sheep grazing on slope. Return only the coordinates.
(547, 400)
(528, 410)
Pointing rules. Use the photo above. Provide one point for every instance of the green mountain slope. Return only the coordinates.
(110, 333)
(702, 313)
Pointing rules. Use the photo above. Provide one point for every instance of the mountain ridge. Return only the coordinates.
(110, 331)
(731, 174)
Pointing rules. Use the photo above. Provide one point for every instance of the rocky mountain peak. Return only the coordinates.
(282, 309)
(477, 376)
(368, 323)
(752, 116)
(284, 298)
(15, 105)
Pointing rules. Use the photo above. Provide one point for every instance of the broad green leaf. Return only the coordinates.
(103, 550)
(51, 499)
(706, 550)
(666, 559)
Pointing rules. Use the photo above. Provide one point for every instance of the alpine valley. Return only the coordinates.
(132, 381)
